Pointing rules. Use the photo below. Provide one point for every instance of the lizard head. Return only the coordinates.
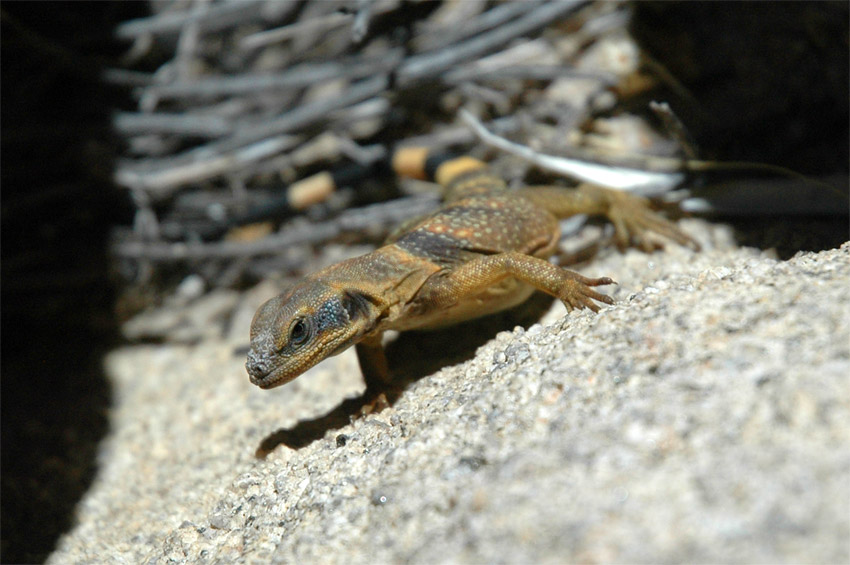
(295, 330)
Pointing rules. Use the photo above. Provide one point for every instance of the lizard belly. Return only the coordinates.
(505, 294)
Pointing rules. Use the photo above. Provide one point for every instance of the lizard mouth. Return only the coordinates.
(265, 380)
(265, 384)
(265, 374)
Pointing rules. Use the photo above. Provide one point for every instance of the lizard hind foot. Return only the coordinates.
(634, 221)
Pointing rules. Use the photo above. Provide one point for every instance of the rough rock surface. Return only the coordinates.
(703, 418)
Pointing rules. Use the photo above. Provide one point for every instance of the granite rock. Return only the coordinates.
(704, 418)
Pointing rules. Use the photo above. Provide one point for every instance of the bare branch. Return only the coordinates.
(431, 64)
(311, 26)
(446, 35)
(296, 77)
(213, 18)
(129, 124)
(384, 214)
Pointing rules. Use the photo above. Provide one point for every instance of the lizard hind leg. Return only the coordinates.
(631, 215)
(474, 277)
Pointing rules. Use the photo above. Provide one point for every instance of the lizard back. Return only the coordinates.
(484, 224)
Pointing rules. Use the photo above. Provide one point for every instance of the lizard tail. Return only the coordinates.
(459, 175)
(443, 168)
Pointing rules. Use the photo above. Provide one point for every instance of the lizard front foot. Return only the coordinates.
(377, 403)
(577, 294)
(377, 399)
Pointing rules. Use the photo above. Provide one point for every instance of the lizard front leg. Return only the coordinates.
(373, 362)
(475, 276)
(630, 214)
(380, 391)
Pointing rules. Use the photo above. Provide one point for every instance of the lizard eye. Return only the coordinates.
(299, 333)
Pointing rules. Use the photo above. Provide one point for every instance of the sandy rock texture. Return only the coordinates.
(703, 418)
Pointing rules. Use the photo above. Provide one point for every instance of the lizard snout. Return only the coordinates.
(258, 366)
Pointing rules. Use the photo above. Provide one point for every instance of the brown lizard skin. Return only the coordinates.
(485, 250)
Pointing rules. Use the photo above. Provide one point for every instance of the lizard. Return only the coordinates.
(485, 250)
